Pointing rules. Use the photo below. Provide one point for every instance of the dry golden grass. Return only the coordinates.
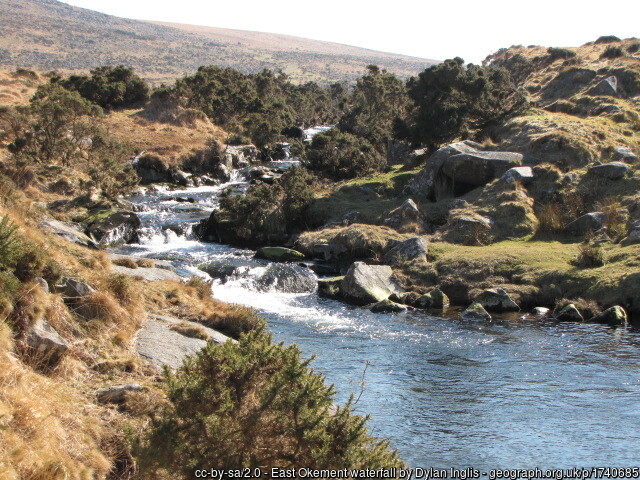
(190, 330)
(47, 431)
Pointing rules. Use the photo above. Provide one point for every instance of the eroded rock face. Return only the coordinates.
(497, 300)
(364, 284)
(115, 229)
(460, 167)
(414, 248)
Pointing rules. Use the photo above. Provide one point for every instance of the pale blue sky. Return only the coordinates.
(438, 30)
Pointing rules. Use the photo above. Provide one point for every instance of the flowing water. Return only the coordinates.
(514, 393)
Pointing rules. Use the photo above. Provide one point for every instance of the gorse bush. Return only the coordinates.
(256, 404)
(110, 87)
(340, 155)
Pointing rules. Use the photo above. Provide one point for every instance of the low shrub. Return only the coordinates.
(190, 330)
(256, 404)
(201, 286)
(633, 48)
(125, 262)
(613, 51)
(607, 39)
(234, 320)
(590, 254)
(561, 53)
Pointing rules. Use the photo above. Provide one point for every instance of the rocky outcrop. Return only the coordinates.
(460, 167)
(414, 248)
(475, 311)
(610, 171)
(569, 314)
(588, 223)
(612, 316)
(364, 284)
(68, 231)
(387, 306)
(115, 228)
(496, 300)
(433, 299)
(606, 87)
(45, 344)
(279, 254)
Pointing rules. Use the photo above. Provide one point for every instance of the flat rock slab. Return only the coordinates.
(148, 274)
(67, 231)
(161, 346)
(162, 264)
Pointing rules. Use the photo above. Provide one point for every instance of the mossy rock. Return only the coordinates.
(279, 254)
(613, 316)
(497, 300)
(475, 311)
(387, 306)
(330, 287)
(436, 298)
(405, 298)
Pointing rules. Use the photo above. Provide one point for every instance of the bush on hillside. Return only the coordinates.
(560, 53)
(110, 87)
(339, 155)
(613, 51)
(256, 404)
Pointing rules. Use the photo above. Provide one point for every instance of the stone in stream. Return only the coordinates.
(613, 316)
(330, 287)
(364, 284)
(569, 314)
(115, 229)
(497, 300)
(436, 298)
(475, 311)
(387, 306)
(279, 254)
(286, 278)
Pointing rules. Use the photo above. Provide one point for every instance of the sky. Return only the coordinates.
(436, 30)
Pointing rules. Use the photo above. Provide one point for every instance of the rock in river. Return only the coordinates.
(497, 300)
(364, 284)
(475, 311)
(115, 229)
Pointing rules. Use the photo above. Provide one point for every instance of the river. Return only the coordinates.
(513, 393)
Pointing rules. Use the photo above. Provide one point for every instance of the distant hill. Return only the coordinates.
(48, 34)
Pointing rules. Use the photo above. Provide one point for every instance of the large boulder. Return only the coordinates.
(496, 300)
(606, 87)
(286, 278)
(414, 248)
(475, 311)
(45, 343)
(460, 167)
(364, 284)
(279, 254)
(115, 228)
(587, 223)
(613, 316)
(466, 228)
(610, 171)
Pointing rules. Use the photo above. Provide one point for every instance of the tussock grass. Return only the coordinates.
(190, 330)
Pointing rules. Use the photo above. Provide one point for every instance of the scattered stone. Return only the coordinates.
(405, 298)
(606, 87)
(613, 316)
(406, 213)
(588, 223)
(182, 178)
(68, 231)
(436, 298)
(541, 311)
(524, 175)
(411, 249)
(364, 284)
(330, 287)
(466, 229)
(387, 306)
(279, 254)
(74, 289)
(569, 314)
(497, 300)
(634, 234)
(624, 154)
(117, 393)
(475, 311)
(46, 344)
(611, 171)
(115, 229)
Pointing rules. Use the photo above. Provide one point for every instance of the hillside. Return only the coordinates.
(47, 34)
